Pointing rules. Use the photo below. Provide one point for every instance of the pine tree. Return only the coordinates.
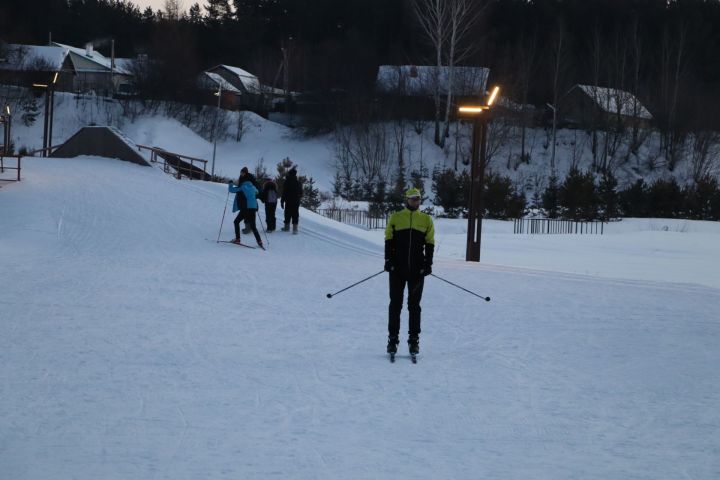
(311, 196)
(577, 196)
(633, 200)
(218, 11)
(608, 195)
(550, 198)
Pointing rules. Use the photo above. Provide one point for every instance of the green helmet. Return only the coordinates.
(413, 193)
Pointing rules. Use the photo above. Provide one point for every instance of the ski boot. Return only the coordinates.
(295, 228)
(286, 227)
(414, 346)
(392, 347)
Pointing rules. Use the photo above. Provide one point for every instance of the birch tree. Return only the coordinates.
(463, 15)
(433, 19)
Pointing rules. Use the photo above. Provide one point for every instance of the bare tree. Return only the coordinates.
(174, 9)
(558, 58)
(463, 15)
(526, 62)
(672, 66)
(705, 154)
(433, 19)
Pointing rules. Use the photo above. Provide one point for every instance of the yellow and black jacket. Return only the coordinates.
(410, 241)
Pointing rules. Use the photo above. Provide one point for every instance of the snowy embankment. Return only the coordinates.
(132, 347)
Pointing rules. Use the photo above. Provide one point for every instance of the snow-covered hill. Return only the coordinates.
(134, 346)
(245, 139)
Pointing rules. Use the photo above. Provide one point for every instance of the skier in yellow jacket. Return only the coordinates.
(409, 248)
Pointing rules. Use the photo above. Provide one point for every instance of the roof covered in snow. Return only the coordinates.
(101, 62)
(613, 100)
(214, 80)
(249, 81)
(33, 57)
(420, 80)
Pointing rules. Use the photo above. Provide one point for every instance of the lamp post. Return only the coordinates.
(217, 114)
(477, 173)
(49, 112)
(6, 120)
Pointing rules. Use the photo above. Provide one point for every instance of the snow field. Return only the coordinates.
(132, 347)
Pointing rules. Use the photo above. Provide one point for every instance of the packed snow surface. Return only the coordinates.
(133, 346)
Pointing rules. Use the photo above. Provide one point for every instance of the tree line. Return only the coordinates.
(662, 50)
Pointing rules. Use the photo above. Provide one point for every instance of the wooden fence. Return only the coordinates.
(182, 164)
(555, 226)
(354, 217)
(4, 166)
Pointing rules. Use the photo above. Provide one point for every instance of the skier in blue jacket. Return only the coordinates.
(246, 205)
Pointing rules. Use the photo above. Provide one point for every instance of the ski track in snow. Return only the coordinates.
(133, 348)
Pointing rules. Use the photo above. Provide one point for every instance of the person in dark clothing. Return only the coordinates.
(269, 197)
(246, 206)
(290, 201)
(409, 249)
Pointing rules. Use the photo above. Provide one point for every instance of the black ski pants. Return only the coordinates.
(240, 217)
(270, 216)
(292, 212)
(250, 223)
(397, 289)
(249, 216)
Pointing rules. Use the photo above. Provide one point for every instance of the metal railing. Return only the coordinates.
(555, 226)
(354, 217)
(3, 167)
(182, 164)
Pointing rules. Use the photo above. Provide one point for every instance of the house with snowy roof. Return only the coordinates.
(241, 89)
(92, 71)
(78, 70)
(589, 105)
(23, 65)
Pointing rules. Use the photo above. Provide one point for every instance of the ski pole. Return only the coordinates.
(223, 217)
(330, 295)
(487, 299)
(267, 241)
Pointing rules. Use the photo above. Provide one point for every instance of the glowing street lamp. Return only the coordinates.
(477, 172)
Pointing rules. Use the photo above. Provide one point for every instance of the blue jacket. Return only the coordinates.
(247, 189)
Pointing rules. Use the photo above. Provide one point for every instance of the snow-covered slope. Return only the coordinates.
(134, 346)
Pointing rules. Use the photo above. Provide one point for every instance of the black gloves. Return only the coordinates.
(389, 267)
(427, 270)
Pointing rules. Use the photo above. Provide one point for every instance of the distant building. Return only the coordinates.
(588, 106)
(92, 71)
(241, 89)
(78, 70)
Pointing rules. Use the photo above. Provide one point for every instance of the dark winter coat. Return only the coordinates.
(266, 196)
(292, 191)
(410, 241)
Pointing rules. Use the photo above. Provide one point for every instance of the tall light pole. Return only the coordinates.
(49, 112)
(6, 120)
(477, 173)
(217, 115)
